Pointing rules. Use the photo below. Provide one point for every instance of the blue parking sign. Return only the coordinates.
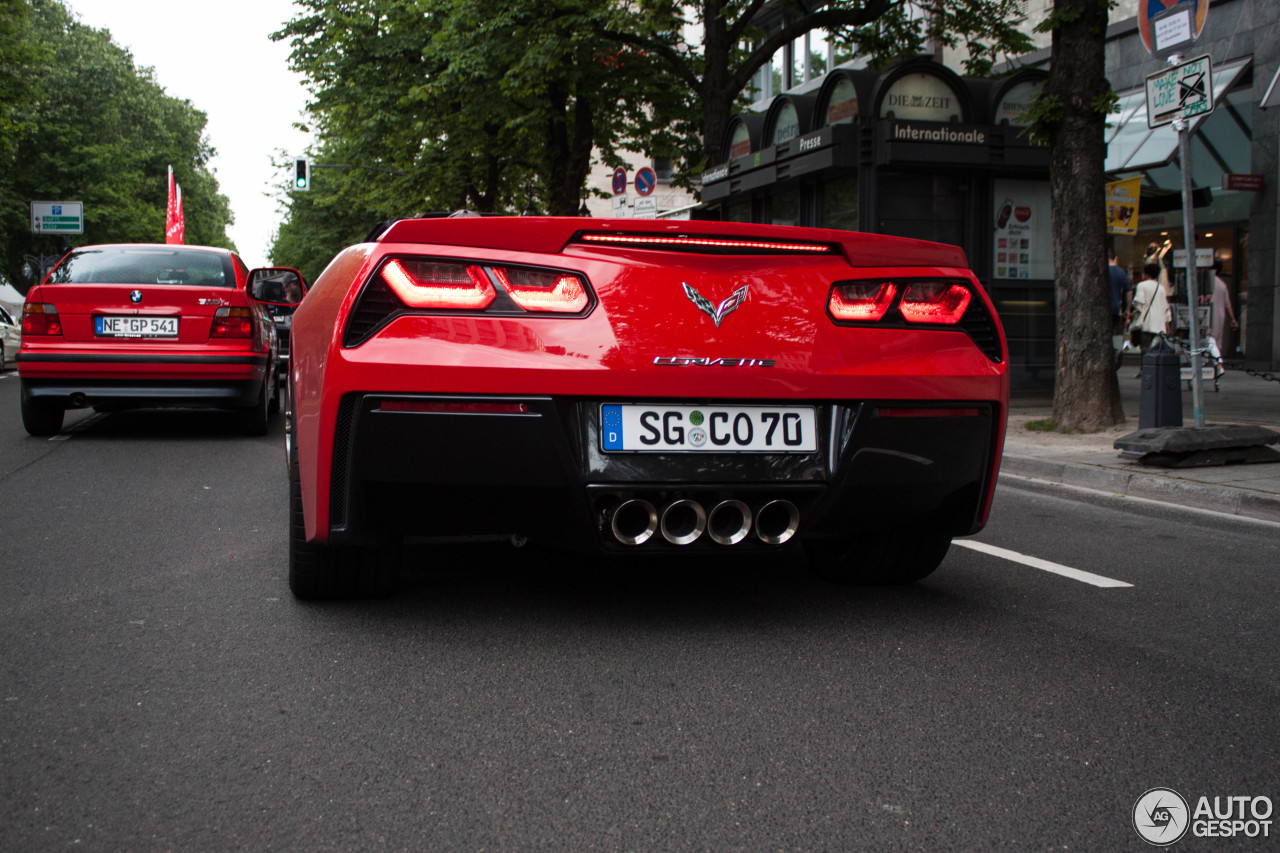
(646, 180)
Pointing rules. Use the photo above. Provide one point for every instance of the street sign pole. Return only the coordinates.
(1183, 128)
(1189, 229)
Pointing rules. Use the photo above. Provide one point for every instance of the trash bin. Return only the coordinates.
(1161, 402)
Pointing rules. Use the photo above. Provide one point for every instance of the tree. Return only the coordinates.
(1071, 114)
(101, 131)
(489, 105)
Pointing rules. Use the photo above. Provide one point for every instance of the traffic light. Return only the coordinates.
(301, 173)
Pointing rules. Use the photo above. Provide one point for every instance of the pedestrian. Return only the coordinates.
(1151, 312)
(1121, 303)
(1121, 294)
(1220, 299)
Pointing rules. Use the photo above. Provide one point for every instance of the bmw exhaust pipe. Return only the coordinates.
(683, 521)
(729, 522)
(777, 521)
(634, 522)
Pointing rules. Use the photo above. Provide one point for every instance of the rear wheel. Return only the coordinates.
(255, 420)
(325, 572)
(40, 417)
(895, 556)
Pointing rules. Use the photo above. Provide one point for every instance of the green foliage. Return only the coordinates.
(501, 105)
(487, 105)
(92, 127)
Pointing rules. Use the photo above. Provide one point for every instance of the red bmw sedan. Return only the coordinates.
(641, 387)
(141, 326)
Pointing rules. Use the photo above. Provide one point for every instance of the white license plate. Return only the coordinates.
(136, 327)
(709, 429)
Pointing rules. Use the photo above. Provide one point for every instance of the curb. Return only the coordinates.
(1166, 489)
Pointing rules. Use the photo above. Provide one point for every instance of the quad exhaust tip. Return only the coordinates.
(683, 521)
(729, 523)
(777, 521)
(635, 521)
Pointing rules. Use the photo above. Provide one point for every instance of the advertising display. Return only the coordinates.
(1122, 206)
(1023, 230)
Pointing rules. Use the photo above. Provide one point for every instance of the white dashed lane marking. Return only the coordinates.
(1042, 565)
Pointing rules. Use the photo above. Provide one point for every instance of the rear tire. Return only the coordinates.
(256, 420)
(324, 572)
(41, 417)
(895, 556)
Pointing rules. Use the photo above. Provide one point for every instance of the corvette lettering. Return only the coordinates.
(682, 361)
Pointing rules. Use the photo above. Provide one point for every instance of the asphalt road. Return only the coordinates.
(160, 689)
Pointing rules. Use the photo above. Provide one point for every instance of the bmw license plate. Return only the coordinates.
(135, 327)
(709, 429)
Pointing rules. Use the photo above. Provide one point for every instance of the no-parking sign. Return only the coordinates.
(619, 181)
(1169, 26)
(646, 180)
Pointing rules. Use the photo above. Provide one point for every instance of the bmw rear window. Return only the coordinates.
(145, 265)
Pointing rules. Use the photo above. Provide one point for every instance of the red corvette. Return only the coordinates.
(641, 386)
(142, 325)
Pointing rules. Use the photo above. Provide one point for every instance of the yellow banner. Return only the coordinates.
(1122, 206)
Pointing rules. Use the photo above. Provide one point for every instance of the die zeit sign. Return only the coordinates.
(1184, 91)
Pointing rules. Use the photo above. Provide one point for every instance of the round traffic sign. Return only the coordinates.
(646, 180)
(619, 181)
(1167, 26)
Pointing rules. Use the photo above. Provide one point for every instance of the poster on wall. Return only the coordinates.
(1122, 206)
(1023, 230)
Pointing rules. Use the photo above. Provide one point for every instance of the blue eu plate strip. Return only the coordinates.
(611, 427)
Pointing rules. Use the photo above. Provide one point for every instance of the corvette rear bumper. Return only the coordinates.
(541, 473)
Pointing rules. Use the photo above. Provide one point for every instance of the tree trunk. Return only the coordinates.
(1086, 396)
(717, 94)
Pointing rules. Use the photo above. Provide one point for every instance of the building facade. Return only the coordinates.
(919, 151)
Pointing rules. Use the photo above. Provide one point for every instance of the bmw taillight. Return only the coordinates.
(426, 284)
(861, 301)
(543, 290)
(934, 302)
(232, 323)
(40, 318)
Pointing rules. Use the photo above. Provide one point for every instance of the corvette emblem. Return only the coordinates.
(716, 313)
(135, 296)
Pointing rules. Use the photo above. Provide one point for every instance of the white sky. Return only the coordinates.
(221, 59)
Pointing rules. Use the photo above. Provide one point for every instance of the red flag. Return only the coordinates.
(182, 221)
(170, 217)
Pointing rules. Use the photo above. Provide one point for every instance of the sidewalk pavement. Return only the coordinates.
(1092, 462)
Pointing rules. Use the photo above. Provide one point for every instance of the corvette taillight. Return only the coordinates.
(40, 318)
(232, 323)
(427, 284)
(861, 301)
(934, 302)
(543, 290)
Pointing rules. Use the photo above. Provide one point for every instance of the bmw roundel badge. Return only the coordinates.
(135, 296)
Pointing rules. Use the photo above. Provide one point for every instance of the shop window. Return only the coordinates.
(784, 208)
(786, 125)
(1015, 107)
(921, 97)
(842, 105)
(840, 203)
